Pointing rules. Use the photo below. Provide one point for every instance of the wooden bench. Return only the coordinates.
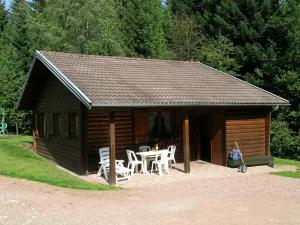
(252, 161)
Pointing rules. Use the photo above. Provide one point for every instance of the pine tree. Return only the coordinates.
(17, 32)
(2, 16)
(143, 24)
(13, 79)
(219, 54)
(78, 26)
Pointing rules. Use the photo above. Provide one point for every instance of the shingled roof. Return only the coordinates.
(120, 81)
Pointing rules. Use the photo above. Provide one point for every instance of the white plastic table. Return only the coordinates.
(151, 154)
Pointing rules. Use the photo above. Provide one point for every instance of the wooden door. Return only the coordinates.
(141, 127)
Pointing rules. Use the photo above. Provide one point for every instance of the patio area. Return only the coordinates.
(199, 170)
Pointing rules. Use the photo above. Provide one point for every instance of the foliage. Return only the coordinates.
(257, 40)
(144, 23)
(91, 27)
(17, 33)
(2, 16)
(13, 78)
(18, 161)
(219, 54)
(185, 38)
(284, 143)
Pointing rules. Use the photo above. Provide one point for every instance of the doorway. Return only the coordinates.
(201, 137)
(205, 138)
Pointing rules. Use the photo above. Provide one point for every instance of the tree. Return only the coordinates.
(13, 77)
(78, 26)
(219, 54)
(186, 38)
(17, 32)
(2, 16)
(260, 42)
(143, 24)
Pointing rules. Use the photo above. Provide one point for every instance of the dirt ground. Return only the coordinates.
(251, 199)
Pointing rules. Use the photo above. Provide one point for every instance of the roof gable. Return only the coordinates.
(119, 81)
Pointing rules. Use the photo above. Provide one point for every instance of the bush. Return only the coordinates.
(284, 142)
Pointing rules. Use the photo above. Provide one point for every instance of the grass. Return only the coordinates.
(278, 161)
(17, 160)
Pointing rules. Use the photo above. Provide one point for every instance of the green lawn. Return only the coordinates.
(17, 160)
(278, 161)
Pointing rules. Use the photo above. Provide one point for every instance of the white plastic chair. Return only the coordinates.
(161, 162)
(144, 148)
(133, 162)
(122, 173)
(171, 155)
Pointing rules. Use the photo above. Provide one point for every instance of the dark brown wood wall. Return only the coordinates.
(131, 131)
(217, 139)
(141, 125)
(250, 131)
(210, 121)
(247, 126)
(195, 146)
(179, 145)
(65, 151)
(268, 132)
(98, 134)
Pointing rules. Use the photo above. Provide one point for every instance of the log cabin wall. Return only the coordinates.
(208, 124)
(132, 130)
(251, 129)
(224, 125)
(98, 134)
(249, 126)
(63, 148)
(217, 139)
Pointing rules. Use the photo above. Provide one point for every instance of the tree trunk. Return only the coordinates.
(17, 129)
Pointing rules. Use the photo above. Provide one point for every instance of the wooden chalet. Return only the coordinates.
(83, 102)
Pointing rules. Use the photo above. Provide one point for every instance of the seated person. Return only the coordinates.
(235, 154)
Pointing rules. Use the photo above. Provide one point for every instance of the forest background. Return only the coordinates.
(254, 40)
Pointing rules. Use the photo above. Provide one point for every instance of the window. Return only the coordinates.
(161, 126)
(74, 125)
(62, 125)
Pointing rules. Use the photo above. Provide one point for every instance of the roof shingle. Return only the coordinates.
(120, 81)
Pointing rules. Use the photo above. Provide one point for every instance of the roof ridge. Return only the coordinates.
(249, 84)
(122, 57)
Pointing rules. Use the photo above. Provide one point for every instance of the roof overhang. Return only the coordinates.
(42, 60)
(185, 105)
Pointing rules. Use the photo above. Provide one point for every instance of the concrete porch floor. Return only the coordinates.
(199, 170)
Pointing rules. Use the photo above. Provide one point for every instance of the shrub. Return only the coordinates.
(284, 142)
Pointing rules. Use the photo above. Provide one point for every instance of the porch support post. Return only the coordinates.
(112, 149)
(268, 122)
(186, 143)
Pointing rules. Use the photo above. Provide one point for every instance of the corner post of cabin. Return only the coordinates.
(186, 142)
(84, 137)
(112, 149)
(268, 122)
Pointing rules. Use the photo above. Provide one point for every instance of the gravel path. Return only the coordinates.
(255, 199)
